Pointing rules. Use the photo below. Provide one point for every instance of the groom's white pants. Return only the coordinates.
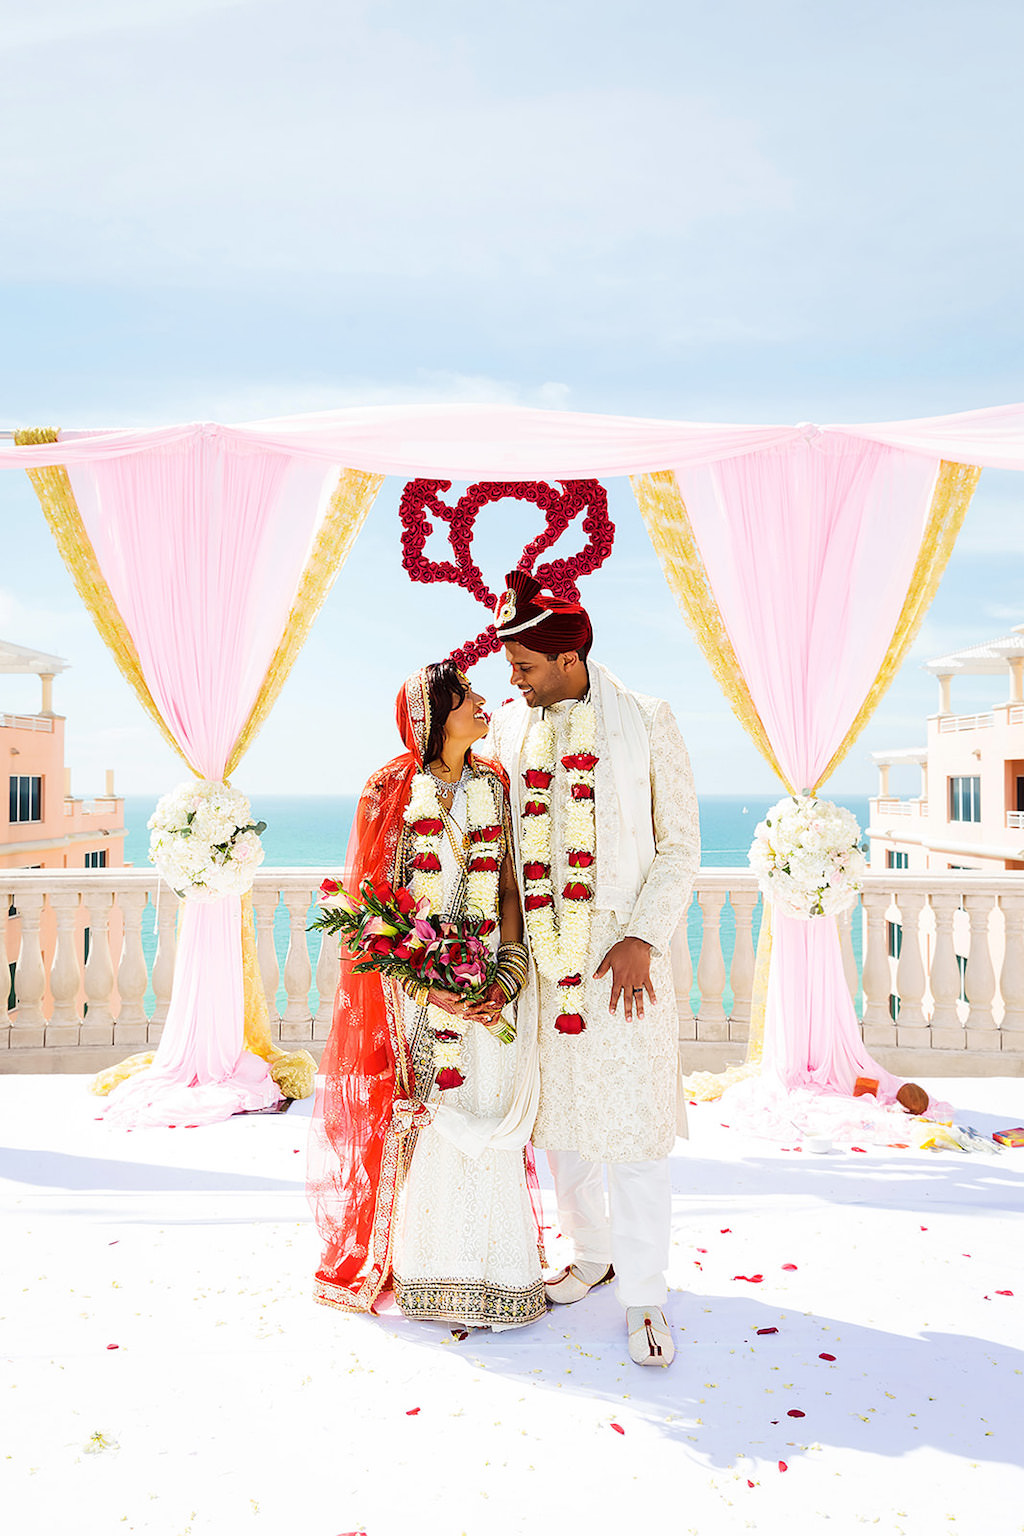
(634, 1236)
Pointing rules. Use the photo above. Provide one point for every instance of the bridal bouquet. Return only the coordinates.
(391, 932)
(204, 841)
(806, 854)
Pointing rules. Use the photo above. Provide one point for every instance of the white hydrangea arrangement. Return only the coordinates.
(807, 857)
(204, 841)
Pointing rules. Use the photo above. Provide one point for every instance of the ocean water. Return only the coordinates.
(312, 832)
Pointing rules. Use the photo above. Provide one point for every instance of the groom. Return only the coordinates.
(608, 840)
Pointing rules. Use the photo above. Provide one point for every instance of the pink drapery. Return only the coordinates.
(202, 543)
(474, 442)
(814, 528)
(809, 550)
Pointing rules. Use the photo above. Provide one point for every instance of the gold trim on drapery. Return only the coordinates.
(954, 487)
(292, 1071)
(52, 485)
(353, 497)
(668, 524)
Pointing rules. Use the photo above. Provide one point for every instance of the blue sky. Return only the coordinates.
(234, 208)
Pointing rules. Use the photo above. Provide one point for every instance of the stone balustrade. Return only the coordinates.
(935, 964)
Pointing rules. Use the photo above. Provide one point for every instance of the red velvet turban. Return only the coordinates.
(538, 620)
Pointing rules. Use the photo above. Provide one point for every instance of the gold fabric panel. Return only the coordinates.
(53, 487)
(294, 1072)
(668, 524)
(954, 487)
(353, 497)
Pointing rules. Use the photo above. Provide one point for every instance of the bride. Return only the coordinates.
(428, 1188)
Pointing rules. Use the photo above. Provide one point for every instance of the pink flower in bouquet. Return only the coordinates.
(424, 930)
(470, 974)
(377, 928)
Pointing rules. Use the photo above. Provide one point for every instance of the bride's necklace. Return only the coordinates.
(449, 786)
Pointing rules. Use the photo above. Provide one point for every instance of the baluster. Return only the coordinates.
(1011, 982)
(132, 978)
(65, 980)
(948, 1034)
(264, 902)
(876, 976)
(711, 1021)
(30, 976)
(297, 1023)
(741, 972)
(328, 965)
(99, 970)
(682, 979)
(844, 922)
(911, 1027)
(5, 972)
(167, 907)
(980, 984)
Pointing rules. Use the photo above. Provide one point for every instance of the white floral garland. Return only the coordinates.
(561, 944)
(807, 857)
(204, 842)
(482, 818)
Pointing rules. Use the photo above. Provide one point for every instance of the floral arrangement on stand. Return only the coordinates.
(807, 857)
(204, 842)
(420, 501)
(560, 944)
(391, 931)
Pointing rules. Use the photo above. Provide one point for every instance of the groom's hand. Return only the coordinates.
(630, 964)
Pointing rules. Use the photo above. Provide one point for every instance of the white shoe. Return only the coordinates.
(571, 1285)
(650, 1342)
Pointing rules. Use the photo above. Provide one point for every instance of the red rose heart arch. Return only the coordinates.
(420, 502)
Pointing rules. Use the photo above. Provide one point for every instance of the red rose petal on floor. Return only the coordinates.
(903, 1145)
(826, 1357)
(618, 1429)
(723, 1230)
(858, 1149)
(1004, 1293)
(775, 1421)
(789, 1266)
(702, 1250)
(410, 1411)
(751, 1279)
(924, 1229)
(795, 1413)
(767, 1330)
(783, 1467)
(113, 1346)
(965, 1255)
(114, 1242)
(749, 1483)
(192, 1127)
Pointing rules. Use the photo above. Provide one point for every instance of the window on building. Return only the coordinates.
(97, 859)
(26, 797)
(897, 858)
(965, 799)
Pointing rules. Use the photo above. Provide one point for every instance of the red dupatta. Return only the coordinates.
(354, 1158)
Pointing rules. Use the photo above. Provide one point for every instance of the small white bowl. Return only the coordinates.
(817, 1143)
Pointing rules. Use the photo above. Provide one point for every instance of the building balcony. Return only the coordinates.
(950, 723)
(886, 806)
(951, 1004)
(27, 723)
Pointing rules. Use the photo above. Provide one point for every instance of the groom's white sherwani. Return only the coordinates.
(609, 1094)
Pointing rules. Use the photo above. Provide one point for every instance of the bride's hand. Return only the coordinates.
(487, 1009)
(451, 1002)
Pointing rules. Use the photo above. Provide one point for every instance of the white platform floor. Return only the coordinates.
(238, 1406)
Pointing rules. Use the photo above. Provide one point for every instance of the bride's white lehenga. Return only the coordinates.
(465, 1245)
